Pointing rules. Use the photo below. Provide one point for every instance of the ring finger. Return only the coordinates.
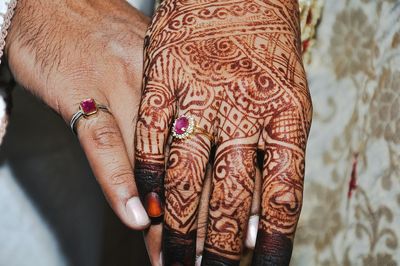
(183, 186)
(230, 203)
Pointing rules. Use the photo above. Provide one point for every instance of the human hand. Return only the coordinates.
(236, 68)
(67, 51)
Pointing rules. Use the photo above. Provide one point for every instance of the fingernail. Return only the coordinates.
(161, 259)
(136, 212)
(198, 260)
(153, 205)
(252, 231)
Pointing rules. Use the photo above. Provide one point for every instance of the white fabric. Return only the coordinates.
(6, 13)
(355, 139)
(146, 6)
(25, 238)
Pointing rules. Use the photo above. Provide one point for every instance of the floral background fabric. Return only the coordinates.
(351, 213)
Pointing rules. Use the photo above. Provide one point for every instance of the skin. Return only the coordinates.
(64, 51)
(236, 67)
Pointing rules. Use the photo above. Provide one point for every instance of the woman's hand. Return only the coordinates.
(236, 68)
(65, 51)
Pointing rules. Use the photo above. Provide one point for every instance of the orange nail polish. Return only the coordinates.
(153, 205)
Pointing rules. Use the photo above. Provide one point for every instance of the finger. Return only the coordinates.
(282, 185)
(128, 89)
(252, 227)
(126, 116)
(202, 216)
(230, 203)
(102, 142)
(154, 119)
(183, 186)
(152, 239)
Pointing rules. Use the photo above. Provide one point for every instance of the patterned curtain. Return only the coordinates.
(351, 213)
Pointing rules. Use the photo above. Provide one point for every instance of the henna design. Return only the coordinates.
(272, 249)
(184, 182)
(212, 259)
(179, 249)
(149, 180)
(234, 65)
(156, 109)
(233, 184)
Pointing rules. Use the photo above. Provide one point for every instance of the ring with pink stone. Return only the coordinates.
(185, 126)
(87, 108)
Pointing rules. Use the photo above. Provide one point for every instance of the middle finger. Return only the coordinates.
(230, 203)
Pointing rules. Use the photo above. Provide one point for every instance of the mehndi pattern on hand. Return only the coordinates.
(236, 67)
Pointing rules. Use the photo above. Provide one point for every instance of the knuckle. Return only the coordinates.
(183, 190)
(121, 175)
(125, 47)
(106, 136)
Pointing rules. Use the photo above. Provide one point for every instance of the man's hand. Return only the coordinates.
(65, 51)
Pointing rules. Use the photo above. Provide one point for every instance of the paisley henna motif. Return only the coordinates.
(236, 67)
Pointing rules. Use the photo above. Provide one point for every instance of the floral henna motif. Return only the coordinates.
(235, 66)
(184, 182)
(233, 184)
(151, 134)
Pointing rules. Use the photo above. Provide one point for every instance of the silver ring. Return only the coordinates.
(87, 108)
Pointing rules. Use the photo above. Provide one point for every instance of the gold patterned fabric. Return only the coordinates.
(310, 15)
(351, 213)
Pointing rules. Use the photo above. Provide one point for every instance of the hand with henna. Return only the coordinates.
(235, 68)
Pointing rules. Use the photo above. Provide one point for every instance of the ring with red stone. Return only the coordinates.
(185, 126)
(87, 108)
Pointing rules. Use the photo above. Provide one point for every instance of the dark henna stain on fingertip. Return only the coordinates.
(212, 259)
(150, 183)
(179, 249)
(149, 178)
(272, 249)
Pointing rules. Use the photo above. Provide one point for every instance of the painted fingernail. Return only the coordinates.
(252, 231)
(153, 205)
(136, 212)
(198, 260)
